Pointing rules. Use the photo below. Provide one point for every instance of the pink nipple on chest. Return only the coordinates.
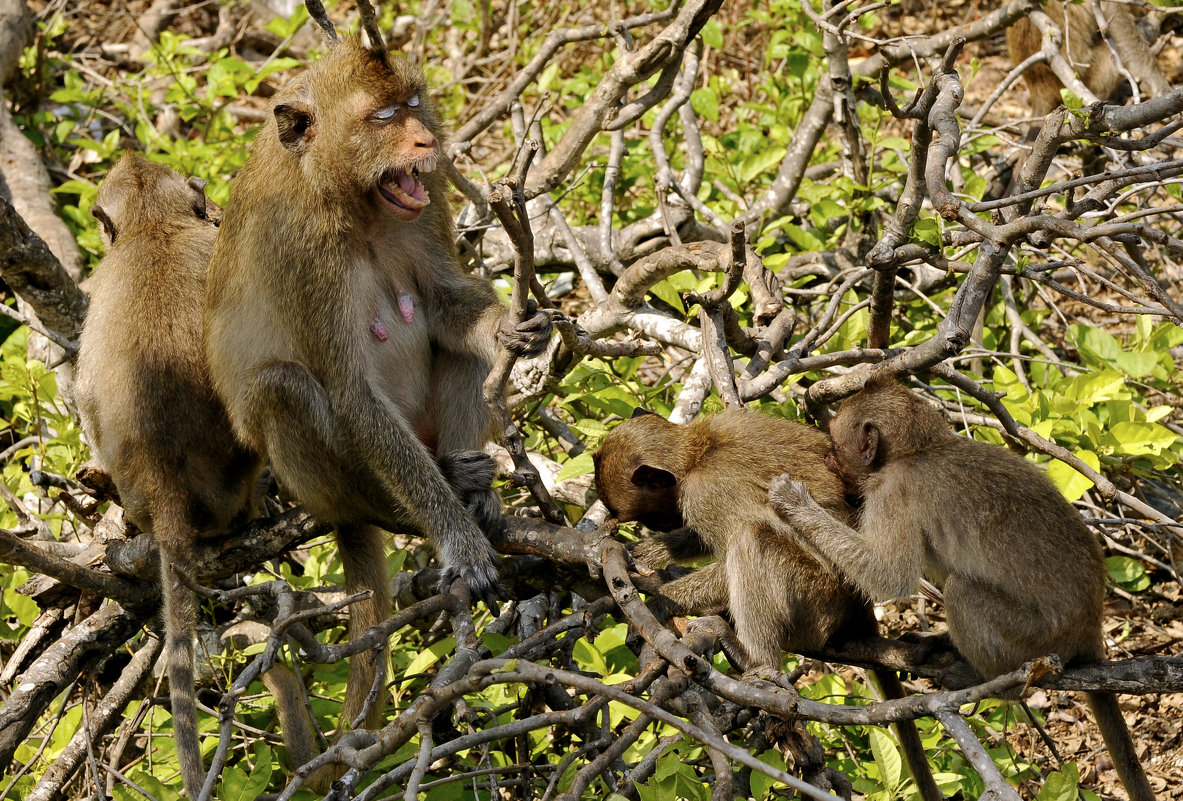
(378, 329)
(406, 310)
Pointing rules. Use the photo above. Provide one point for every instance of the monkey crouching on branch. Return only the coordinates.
(348, 344)
(1022, 575)
(1086, 50)
(147, 404)
(705, 486)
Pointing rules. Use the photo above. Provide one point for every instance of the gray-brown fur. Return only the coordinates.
(1023, 577)
(319, 368)
(1087, 53)
(147, 405)
(705, 486)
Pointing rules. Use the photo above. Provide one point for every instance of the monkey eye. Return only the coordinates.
(386, 113)
(414, 101)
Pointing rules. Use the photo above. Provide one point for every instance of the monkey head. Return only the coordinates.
(881, 422)
(139, 192)
(638, 468)
(362, 130)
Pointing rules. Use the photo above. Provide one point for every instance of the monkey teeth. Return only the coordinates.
(403, 193)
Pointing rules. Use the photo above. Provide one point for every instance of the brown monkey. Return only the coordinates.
(345, 339)
(147, 405)
(1087, 52)
(712, 477)
(1022, 575)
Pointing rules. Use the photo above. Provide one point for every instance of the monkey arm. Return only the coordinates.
(468, 318)
(888, 570)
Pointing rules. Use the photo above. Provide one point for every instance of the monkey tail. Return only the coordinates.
(299, 736)
(174, 538)
(1121, 746)
(889, 685)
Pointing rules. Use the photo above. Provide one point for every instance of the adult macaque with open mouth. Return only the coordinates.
(348, 344)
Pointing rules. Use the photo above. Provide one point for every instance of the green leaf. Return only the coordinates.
(712, 35)
(581, 465)
(1134, 439)
(251, 786)
(1070, 483)
(1128, 572)
(665, 291)
(1061, 785)
(428, 657)
(887, 757)
(762, 783)
(802, 238)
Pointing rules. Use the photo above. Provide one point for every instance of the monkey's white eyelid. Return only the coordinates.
(414, 101)
(386, 113)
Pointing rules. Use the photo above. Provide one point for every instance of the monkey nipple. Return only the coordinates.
(406, 307)
(379, 330)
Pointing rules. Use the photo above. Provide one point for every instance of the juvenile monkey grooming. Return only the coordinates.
(146, 402)
(1022, 575)
(347, 342)
(712, 476)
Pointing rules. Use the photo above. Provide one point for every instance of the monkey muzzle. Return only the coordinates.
(402, 193)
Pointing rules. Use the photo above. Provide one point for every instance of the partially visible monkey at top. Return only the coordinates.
(1087, 52)
(346, 340)
(145, 399)
(1023, 576)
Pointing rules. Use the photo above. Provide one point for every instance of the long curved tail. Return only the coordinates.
(1121, 746)
(174, 539)
(909, 737)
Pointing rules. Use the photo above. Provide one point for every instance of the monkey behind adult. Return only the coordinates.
(146, 403)
(349, 346)
(1087, 53)
(1023, 577)
(705, 487)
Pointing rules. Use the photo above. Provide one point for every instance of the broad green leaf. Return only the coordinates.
(581, 465)
(802, 239)
(1135, 364)
(1128, 572)
(666, 292)
(887, 757)
(712, 35)
(428, 657)
(1135, 439)
(1070, 483)
(1061, 785)
(761, 783)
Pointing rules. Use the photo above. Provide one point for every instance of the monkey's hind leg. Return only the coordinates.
(461, 424)
(363, 556)
(310, 456)
(471, 474)
(757, 602)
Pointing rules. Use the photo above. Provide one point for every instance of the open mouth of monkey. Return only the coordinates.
(403, 194)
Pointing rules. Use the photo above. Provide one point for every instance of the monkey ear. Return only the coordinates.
(197, 185)
(869, 443)
(294, 121)
(646, 475)
(639, 412)
(108, 227)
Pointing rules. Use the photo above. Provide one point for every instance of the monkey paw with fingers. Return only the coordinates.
(790, 497)
(530, 336)
(480, 576)
(770, 674)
